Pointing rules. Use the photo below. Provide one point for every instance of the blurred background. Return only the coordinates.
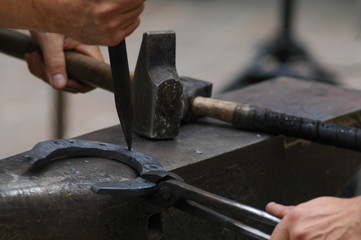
(216, 41)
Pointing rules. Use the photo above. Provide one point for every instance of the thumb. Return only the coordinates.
(278, 210)
(52, 45)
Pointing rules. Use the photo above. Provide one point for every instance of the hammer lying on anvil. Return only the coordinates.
(157, 84)
(159, 104)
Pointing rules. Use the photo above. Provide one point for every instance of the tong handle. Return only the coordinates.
(184, 196)
(199, 210)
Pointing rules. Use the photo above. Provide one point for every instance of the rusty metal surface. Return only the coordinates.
(248, 167)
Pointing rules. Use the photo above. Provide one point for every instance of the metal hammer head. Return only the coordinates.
(157, 87)
(193, 88)
(159, 105)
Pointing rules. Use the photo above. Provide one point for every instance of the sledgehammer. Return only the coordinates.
(161, 102)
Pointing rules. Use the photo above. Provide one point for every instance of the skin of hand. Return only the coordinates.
(50, 65)
(324, 218)
(97, 22)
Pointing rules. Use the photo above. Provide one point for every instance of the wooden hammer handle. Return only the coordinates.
(79, 67)
(255, 118)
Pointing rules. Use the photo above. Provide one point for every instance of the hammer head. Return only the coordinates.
(157, 88)
(193, 88)
(159, 105)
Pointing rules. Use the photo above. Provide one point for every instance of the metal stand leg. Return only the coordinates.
(59, 114)
(283, 56)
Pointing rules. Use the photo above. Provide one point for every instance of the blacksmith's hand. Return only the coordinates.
(324, 218)
(96, 22)
(50, 66)
(101, 22)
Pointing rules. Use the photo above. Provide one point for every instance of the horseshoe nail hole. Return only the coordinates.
(71, 141)
(55, 142)
(102, 144)
(150, 167)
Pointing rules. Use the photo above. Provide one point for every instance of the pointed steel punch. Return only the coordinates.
(160, 187)
(122, 89)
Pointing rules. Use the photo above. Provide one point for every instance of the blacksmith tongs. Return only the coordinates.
(160, 187)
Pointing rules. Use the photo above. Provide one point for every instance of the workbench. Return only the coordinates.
(249, 167)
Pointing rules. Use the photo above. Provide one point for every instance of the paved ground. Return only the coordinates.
(215, 41)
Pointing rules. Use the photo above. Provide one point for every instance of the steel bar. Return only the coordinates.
(182, 190)
(287, 17)
(220, 219)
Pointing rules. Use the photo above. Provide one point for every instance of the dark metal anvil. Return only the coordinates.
(55, 202)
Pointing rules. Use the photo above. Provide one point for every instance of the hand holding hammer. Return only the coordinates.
(87, 70)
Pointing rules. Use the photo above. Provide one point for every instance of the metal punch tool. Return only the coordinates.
(160, 187)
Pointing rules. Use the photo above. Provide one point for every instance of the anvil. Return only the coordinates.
(55, 202)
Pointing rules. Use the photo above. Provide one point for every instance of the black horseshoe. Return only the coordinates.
(45, 152)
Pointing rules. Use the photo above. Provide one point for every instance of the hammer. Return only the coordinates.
(162, 99)
(172, 99)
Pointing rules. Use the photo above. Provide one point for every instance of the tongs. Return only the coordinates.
(160, 187)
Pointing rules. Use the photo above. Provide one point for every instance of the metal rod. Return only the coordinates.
(186, 191)
(59, 114)
(213, 216)
(287, 17)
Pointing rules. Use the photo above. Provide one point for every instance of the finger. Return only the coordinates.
(36, 65)
(280, 233)
(88, 50)
(54, 59)
(37, 68)
(131, 16)
(114, 20)
(128, 30)
(29, 62)
(70, 90)
(78, 86)
(278, 210)
(131, 5)
(92, 51)
(111, 7)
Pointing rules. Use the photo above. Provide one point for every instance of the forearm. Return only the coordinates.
(24, 14)
(104, 22)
